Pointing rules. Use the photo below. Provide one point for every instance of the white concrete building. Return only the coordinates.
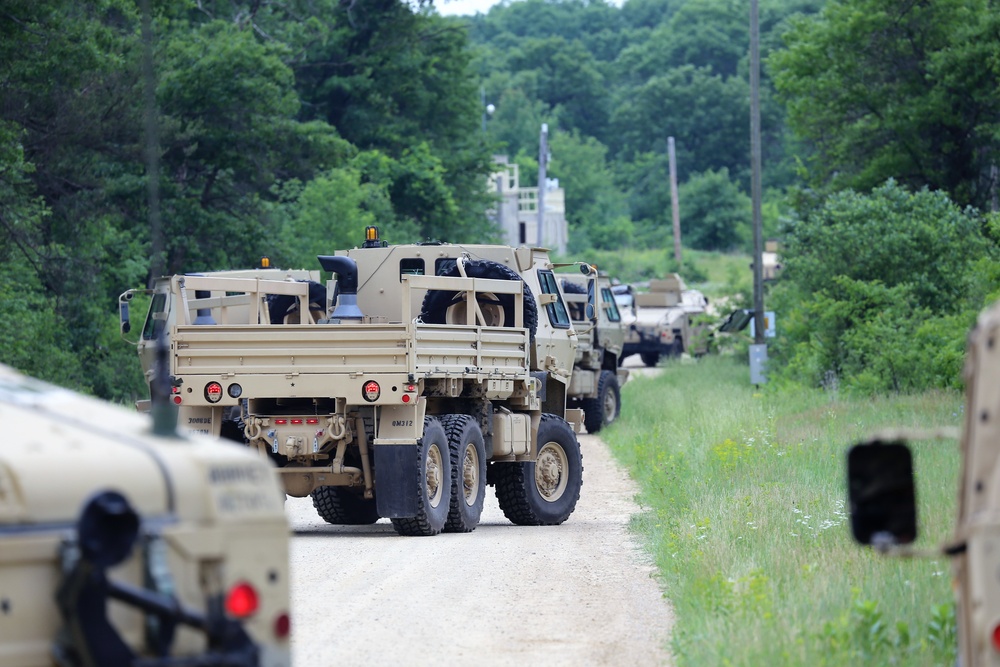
(517, 214)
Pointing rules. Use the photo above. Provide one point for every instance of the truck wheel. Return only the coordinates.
(468, 472)
(543, 492)
(498, 309)
(339, 505)
(601, 411)
(650, 358)
(432, 484)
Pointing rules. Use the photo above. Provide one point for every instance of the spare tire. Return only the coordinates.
(281, 305)
(498, 309)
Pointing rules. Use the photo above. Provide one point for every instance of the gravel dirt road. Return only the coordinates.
(577, 594)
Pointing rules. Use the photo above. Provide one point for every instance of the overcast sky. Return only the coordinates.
(453, 7)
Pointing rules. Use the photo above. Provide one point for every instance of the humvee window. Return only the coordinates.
(410, 266)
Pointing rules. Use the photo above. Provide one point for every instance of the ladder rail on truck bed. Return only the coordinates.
(303, 354)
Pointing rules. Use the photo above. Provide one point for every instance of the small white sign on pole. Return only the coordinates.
(768, 325)
(758, 364)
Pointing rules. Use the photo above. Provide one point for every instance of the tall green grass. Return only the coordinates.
(745, 500)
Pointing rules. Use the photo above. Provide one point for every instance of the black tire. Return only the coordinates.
(281, 305)
(468, 472)
(343, 506)
(543, 492)
(650, 358)
(431, 483)
(603, 410)
(437, 303)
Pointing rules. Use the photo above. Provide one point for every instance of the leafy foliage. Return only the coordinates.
(903, 90)
(881, 291)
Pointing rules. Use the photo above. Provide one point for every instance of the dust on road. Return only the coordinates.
(581, 593)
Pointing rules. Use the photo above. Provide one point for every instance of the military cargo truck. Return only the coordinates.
(206, 309)
(597, 378)
(883, 508)
(439, 369)
(120, 547)
(666, 322)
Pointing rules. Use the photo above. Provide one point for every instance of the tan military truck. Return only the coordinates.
(881, 490)
(204, 309)
(120, 547)
(597, 378)
(667, 321)
(438, 369)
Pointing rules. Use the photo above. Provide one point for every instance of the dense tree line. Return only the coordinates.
(283, 127)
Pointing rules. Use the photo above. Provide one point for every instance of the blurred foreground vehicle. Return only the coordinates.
(883, 499)
(119, 546)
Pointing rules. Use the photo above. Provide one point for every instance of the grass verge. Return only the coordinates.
(745, 517)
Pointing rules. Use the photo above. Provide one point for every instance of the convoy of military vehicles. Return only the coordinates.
(416, 377)
(420, 375)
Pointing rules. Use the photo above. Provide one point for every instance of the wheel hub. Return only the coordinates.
(470, 474)
(550, 472)
(433, 475)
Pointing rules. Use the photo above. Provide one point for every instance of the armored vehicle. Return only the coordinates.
(596, 383)
(666, 322)
(120, 547)
(433, 371)
(883, 509)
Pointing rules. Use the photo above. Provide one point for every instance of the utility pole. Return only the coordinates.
(543, 158)
(674, 204)
(152, 148)
(758, 351)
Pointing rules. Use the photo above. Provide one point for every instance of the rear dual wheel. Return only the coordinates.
(468, 472)
(432, 483)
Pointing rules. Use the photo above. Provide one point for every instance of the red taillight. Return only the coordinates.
(282, 626)
(242, 601)
(406, 398)
(296, 422)
(312, 420)
(410, 387)
(177, 400)
(371, 391)
(213, 392)
(280, 422)
(995, 637)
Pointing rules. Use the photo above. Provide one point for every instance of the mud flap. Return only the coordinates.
(395, 471)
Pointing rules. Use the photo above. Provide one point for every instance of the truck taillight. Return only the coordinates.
(213, 392)
(371, 391)
(995, 637)
(282, 626)
(242, 600)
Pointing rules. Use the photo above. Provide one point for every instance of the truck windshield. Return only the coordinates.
(610, 305)
(558, 316)
(156, 319)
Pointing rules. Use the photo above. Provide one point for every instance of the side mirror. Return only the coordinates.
(881, 493)
(123, 314)
(591, 309)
